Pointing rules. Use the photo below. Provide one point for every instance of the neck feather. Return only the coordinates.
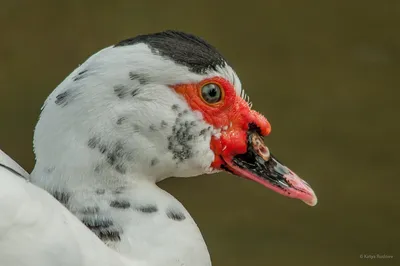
(133, 216)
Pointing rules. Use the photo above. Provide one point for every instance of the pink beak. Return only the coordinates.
(259, 165)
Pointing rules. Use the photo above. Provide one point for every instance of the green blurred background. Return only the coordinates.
(325, 73)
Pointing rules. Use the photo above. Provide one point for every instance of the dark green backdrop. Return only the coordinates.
(326, 75)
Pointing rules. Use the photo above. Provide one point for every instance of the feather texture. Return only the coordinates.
(35, 229)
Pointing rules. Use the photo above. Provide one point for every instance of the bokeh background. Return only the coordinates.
(325, 73)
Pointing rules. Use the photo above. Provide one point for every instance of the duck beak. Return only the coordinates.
(259, 165)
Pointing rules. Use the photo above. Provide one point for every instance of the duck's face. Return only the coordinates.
(161, 105)
(237, 139)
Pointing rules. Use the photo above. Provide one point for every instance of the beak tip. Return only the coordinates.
(312, 201)
(302, 190)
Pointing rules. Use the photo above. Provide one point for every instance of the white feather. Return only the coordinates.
(35, 229)
(7, 161)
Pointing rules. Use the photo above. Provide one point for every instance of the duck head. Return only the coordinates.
(155, 106)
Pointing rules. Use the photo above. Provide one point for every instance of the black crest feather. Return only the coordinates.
(183, 48)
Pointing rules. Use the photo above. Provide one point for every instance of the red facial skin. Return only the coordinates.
(231, 110)
(234, 113)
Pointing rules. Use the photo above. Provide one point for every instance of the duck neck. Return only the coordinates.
(132, 215)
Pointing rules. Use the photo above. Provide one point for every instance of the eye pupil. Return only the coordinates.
(211, 93)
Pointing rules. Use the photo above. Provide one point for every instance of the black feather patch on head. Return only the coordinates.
(183, 48)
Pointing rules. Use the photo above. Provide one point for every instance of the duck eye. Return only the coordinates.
(211, 93)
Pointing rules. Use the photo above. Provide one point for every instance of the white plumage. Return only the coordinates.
(35, 229)
(112, 129)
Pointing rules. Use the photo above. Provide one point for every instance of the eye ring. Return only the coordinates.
(211, 93)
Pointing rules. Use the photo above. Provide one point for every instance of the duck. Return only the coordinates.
(145, 109)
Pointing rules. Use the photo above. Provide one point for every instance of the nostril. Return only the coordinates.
(264, 150)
